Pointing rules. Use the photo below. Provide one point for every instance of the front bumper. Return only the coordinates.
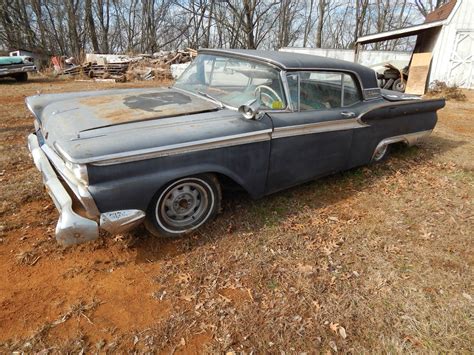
(14, 69)
(71, 227)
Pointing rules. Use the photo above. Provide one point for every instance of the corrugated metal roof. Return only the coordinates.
(398, 33)
(433, 19)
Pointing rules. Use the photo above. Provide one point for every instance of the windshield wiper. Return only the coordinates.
(205, 94)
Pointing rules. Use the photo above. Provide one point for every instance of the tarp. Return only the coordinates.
(11, 60)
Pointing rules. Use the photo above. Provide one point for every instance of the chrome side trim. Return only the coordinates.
(76, 186)
(372, 93)
(409, 139)
(173, 149)
(71, 227)
(310, 128)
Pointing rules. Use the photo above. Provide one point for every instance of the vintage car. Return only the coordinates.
(261, 120)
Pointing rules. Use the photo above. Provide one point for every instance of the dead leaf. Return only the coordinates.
(316, 305)
(467, 296)
(333, 346)
(305, 269)
(187, 298)
(334, 326)
(342, 332)
(184, 278)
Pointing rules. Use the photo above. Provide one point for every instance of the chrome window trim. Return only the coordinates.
(286, 92)
(174, 149)
(319, 127)
(348, 71)
(356, 80)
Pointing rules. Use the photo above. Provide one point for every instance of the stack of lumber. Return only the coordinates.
(123, 67)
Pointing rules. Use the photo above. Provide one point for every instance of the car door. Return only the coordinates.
(314, 139)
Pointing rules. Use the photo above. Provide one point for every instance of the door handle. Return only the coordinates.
(348, 114)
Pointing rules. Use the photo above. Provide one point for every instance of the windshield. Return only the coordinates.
(234, 82)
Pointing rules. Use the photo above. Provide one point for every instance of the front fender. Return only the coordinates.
(133, 185)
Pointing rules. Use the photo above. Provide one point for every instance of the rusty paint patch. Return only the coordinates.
(97, 100)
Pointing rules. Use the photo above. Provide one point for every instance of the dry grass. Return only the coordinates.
(374, 259)
(441, 89)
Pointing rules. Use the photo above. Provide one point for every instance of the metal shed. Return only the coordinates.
(446, 41)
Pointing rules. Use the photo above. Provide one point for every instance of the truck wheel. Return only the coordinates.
(21, 77)
(398, 85)
(184, 205)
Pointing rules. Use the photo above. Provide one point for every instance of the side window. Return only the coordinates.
(322, 90)
(351, 91)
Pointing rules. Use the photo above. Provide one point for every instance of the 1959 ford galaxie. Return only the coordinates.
(263, 120)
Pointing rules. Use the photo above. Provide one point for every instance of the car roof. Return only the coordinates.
(296, 61)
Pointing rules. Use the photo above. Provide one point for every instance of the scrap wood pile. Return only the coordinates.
(126, 68)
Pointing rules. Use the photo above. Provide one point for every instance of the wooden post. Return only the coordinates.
(357, 52)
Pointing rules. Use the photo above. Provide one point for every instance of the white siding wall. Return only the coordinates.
(367, 58)
(462, 19)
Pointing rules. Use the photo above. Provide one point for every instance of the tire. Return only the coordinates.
(380, 153)
(21, 77)
(399, 86)
(184, 205)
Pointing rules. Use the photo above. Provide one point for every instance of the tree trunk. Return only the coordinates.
(91, 26)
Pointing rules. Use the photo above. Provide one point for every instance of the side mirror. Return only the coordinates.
(250, 111)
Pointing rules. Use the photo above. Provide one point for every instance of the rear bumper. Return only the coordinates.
(71, 227)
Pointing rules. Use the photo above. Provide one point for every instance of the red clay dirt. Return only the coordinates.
(376, 258)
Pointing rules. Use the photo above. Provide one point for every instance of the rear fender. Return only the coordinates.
(401, 108)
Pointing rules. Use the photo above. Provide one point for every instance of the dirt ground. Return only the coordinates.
(378, 258)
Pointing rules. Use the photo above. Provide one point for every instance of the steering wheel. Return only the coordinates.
(268, 98)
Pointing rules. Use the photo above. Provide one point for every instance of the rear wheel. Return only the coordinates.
(184, 205)
(21, 77)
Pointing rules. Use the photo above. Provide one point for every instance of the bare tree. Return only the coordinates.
(427, 6)
(91, 25)
(73, 27)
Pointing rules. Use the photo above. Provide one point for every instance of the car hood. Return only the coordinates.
(74, 113)
(86, 125)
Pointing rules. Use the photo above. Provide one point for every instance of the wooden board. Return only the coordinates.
(419, 70)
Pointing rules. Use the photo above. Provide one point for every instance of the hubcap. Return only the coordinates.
(184, 204)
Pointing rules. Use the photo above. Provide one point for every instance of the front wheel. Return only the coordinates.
(184, 205)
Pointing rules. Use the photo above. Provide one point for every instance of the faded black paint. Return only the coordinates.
(153, 101)
(266, 167)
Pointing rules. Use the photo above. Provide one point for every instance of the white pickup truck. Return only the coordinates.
(16, 67)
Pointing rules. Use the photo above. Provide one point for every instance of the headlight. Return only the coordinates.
(79, 171)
